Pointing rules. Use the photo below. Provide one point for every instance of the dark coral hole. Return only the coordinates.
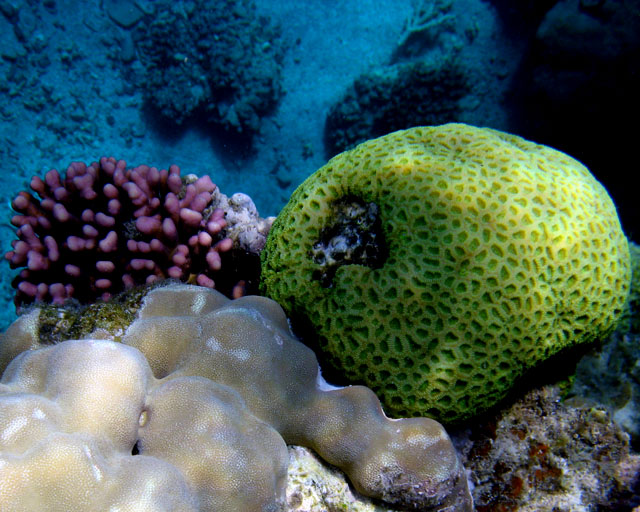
(355, 237)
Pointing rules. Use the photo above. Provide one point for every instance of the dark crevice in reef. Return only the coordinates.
(238, 262)
(354, 238)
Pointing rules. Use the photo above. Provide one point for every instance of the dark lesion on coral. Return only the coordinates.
(354, 237)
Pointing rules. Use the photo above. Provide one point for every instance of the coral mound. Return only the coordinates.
(394, 97)
(193, 406)
(437, 264)
(216, 59)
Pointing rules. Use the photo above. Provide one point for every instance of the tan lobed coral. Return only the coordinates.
(73, 412)
(191, 412)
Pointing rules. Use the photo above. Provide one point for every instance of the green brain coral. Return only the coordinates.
(630, 321)
(437, 264)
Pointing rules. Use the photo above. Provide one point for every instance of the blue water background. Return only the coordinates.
(66, 92)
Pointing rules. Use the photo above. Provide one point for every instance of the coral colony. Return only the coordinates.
(486, 247)
(442, 318)
(103, 228)
(214, 389)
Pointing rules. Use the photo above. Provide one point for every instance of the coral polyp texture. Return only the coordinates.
(103, 227)
(437, 264)
(193, 404)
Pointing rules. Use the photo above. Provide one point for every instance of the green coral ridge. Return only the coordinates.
(630, 321)
(437, 264)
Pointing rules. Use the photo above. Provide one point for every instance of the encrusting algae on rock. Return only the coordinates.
(194, 406)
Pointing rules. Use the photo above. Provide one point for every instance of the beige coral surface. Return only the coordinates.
(191, 412)
(73, 412)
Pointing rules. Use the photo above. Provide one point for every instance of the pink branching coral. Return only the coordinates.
(103, 228)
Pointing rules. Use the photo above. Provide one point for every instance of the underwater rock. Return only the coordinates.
(610, 373)
(123, 12)
(544, 455)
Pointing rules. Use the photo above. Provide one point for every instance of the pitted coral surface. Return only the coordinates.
(499, 253)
